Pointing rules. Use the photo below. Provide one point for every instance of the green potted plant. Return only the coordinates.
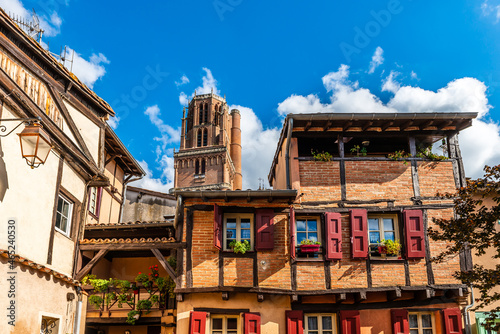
(389, 248)
(133, 316)
(95, 301)
(321, 156)
(309, 246)
(240, 246)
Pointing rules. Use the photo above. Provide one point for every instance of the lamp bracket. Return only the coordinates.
(26, 121)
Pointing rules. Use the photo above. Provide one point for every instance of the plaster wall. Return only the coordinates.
(146, 207)
(34, 288)
(89, 130)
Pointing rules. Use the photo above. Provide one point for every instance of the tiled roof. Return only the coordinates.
(41, 268)
(126, 241)
(130, 224)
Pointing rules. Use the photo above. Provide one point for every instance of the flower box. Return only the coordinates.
(309, 248)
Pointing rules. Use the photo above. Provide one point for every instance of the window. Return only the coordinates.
(205, 137)
(238, 227)
(63, 216)
(49, 325)
(203, 166)
(319, 324)
(307, 228)
(200, 111)
(421, 323)
(198, 144)
(224, 324)
(94, 200)
(381, 227)
(197, 167)
(205, 118)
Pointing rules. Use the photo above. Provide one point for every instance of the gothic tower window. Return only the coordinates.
(205, 114)
(200, 114)
(205, 137)
(197, 167)
(203, 166)
(199, 138)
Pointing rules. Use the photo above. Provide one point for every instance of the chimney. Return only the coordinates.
(236, 148)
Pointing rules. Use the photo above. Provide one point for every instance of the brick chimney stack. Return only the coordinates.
(236, 148)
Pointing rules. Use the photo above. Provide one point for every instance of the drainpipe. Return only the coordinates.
(468, 328)
(78, 314)
(287, 154)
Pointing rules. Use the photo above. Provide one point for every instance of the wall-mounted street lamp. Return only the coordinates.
(35, 142)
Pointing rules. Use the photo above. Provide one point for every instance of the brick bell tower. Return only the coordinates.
(209, 157)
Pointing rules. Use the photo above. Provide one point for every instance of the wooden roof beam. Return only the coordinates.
(387, 125)
(367, 125)
(346, 126)
(308, 126)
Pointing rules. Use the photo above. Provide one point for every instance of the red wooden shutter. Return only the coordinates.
(294, 322)
(359, 234)
(252, 323)
(292, 232)
(265, 229)
(197, 322)
(414, 229)
(217, 227)
(333, 236)
(452, 321)
(350, 322)
(400, 323)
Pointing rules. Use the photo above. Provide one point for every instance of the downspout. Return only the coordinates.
(78, 314)
(287, 153)
(468, 328)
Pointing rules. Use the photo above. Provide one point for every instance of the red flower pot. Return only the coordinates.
(309, 248)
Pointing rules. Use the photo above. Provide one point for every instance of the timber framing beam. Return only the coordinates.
(91, 264)
(164, 264)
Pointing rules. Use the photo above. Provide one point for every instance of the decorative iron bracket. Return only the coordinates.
(26, 121)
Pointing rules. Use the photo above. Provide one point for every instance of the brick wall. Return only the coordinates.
(319, 180)
(388, 274)
(205, 256)
(310, 276)
(238, 272)
(435, 177)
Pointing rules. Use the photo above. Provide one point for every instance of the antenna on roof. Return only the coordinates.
(63, 57)
(32, 28)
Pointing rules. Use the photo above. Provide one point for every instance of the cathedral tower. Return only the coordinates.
(210, 151)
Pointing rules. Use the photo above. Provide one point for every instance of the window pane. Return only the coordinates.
(413, 331)
(327, 332)
(231, 223)
(312, 332)
(373, 224)
(388, 224)
(227, 244)
(327, 322)
(66, 209)
(413, 320)
(374, 237)
(63, 224)
(312, 226)
(59, 204)
(217, 323)
(230, 234)
(232, 323)
(58, 220)
(245, 225)
(301, 236)
(301, 225)
(426, 321)
(389, 236)
(245, 234)
(313, 236)
(312, 323)
(427, 331)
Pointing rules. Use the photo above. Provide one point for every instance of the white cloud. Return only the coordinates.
(377, 59)
(168, 134)
(209, 83)
(257, 144)
(389, 84)
(489, 9)
(49, 22)
(88, 71)
(161, 184)
(479, 143)
(414, 75)
(113, 122)
(183, 80)
(183, 99)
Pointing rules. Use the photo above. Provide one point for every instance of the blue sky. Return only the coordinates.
(272, 58)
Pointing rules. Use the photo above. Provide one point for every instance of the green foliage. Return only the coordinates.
(144, 304)
(474, 228)
(357, 149)
(124, 298)
(130, 317)
(399, 155)
(240, 247)
(155, 299)
(323, 156)
(87, 278)
(123, 285)
(110, 297)
(422, 152)
(310, 242)
(391, 247)
(142, 278)
(95, 301)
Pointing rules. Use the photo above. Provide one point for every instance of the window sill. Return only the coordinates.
(309, 259)
(248, 254)
(63, 234)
